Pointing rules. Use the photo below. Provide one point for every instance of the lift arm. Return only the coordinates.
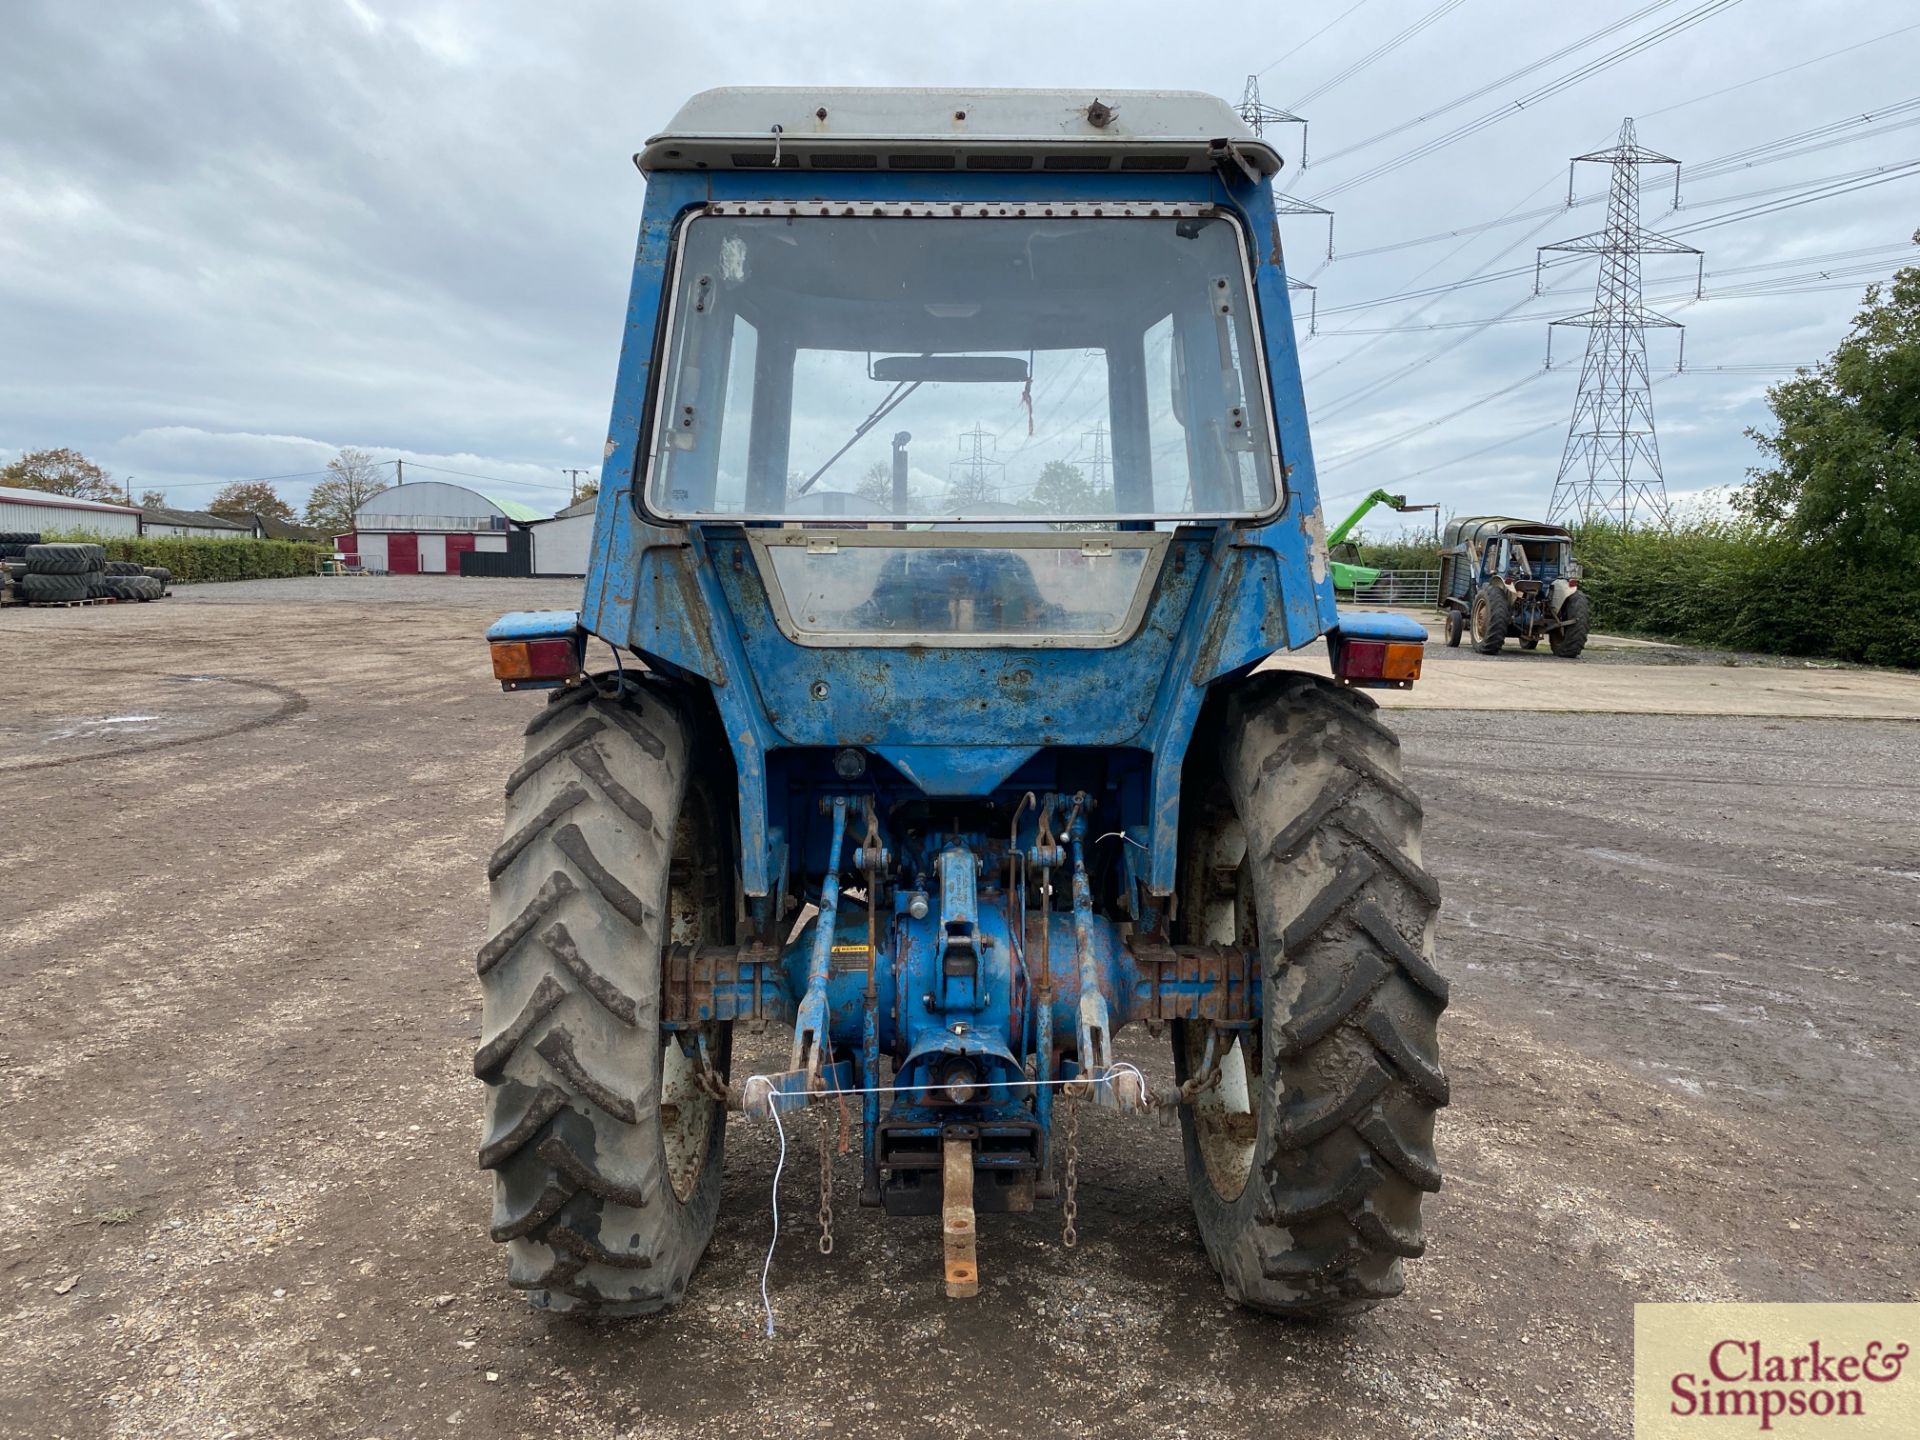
(1378, 497)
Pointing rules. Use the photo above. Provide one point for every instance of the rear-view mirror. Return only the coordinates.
(960, 369)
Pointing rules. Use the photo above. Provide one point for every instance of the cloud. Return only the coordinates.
(238, 236)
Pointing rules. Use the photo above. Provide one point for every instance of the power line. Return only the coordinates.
(1766, 153)
(1361, 452)
(1659, 35)
(1772, 74)
(1899, 172)
(1507, 79)
(1819, 190)
(1363, 348)
(247, 480)
(1502, 443)
(469, 475)
(1759, 290)
(1366, 391)
(1313, 37)
(1384, 48)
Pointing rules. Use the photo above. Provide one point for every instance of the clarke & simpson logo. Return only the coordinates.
(1791, 1371)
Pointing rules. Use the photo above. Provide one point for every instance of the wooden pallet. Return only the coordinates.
(70, 604)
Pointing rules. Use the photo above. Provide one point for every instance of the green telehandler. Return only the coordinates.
(1348, 575)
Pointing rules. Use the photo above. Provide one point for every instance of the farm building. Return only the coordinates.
(422, 527)
(161, 524)
(560, 545)
(38, 511)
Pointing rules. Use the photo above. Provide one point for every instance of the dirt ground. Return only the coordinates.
(244, 840)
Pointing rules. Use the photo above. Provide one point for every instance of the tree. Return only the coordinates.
(588, 491)
(353, 478)
(1064, 489)
(153, 500)
(61, 472)
(251, 497)
(1846, 444)
(877, 485)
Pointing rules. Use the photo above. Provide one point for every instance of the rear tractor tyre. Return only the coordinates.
(1576, 616)
(1308, 1159)
(1491, 615)
(606, 1151)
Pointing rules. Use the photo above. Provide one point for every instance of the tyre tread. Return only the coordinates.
(1352, 1077)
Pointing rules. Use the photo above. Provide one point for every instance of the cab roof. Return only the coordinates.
(743, 127)
(1471, 529)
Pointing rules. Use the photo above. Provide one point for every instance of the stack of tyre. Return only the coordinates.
(62, 572)
(13, 554)
(76, 571)
(126, 581)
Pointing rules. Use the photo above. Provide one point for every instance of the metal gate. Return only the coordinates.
(1401, 587)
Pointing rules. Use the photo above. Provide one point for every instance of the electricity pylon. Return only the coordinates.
(1258, 116)
(1611, 464)
(974, 474)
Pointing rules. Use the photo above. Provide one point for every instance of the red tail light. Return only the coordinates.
(1386, 663)
(533, 660)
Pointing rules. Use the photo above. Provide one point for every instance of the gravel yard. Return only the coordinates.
(245, 844)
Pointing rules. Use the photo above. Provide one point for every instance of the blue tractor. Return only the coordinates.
(958, 754)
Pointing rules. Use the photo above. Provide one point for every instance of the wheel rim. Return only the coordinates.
(686, 1118)
(1225, 1125)
(694, 912)
(1225, 1128)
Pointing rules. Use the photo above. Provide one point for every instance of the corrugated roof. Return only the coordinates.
(512, 509)
(21, 496)
(196, 519)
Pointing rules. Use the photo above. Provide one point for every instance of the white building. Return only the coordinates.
(422, 527)
(40, 512)
(561, 545)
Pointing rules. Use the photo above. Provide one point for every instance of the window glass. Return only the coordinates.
(909, 589)
(1058, 370)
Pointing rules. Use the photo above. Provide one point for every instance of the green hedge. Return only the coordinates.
(1737, 586)
(195, 560)
(1400, 555)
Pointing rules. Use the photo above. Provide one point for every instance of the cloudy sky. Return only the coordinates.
(235, 237)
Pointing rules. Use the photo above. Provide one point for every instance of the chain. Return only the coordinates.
(826, 1181)
(1196, 1085)
(1069, 1236)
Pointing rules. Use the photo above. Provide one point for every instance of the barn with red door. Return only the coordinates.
(422, 527)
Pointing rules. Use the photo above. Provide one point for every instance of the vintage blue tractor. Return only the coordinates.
(958, 755)
(1503, 578)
